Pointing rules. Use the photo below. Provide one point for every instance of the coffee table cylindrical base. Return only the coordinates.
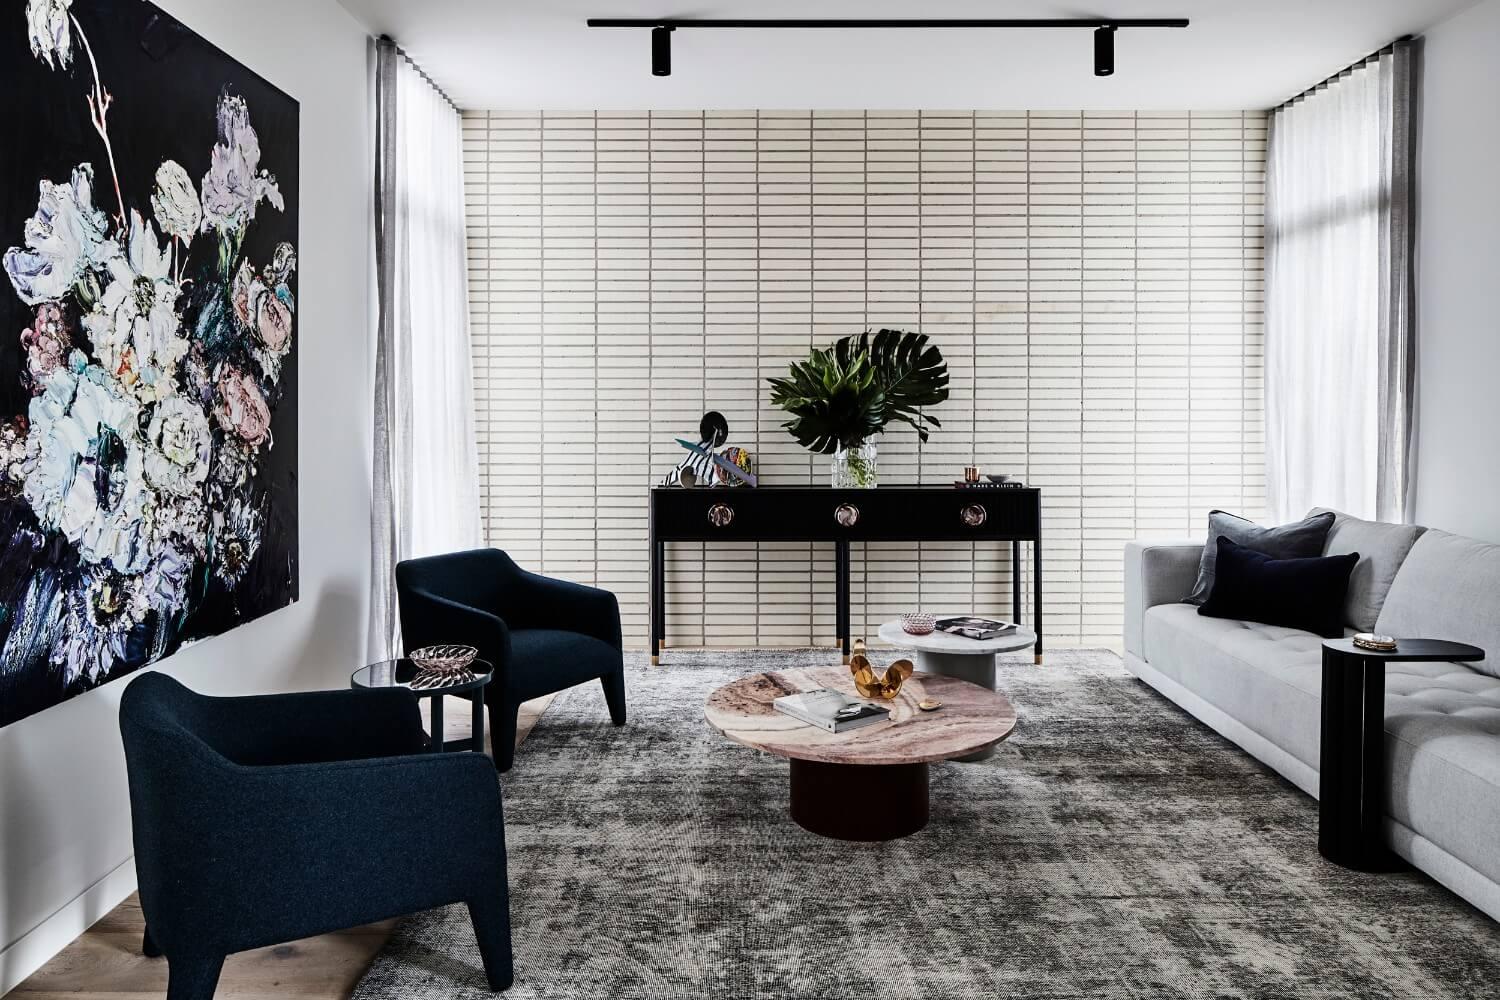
(859, 801)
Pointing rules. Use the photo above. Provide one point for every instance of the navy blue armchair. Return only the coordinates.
(542, 635)
(266, 819)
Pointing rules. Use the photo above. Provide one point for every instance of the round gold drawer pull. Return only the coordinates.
(974, 515)
(720, 514)
(846, 514)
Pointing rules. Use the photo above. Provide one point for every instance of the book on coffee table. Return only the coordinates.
(831, 710)
(975, 628)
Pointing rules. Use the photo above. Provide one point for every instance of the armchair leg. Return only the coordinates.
(614, 695)
(148, 946)
(491, 917)
(193, 978)
(503, 717)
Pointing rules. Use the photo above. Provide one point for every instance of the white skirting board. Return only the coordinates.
(37, 946)
(1443, 868)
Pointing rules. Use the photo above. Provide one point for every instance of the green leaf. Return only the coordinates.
(842, 396)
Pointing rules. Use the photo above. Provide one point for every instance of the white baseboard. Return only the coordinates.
(36, 947)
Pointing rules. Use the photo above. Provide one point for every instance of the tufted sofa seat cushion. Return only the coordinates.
(1442, 720)
(1442, 745)
(1266, 676)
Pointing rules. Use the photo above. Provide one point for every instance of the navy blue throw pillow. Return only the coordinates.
(1305, 594)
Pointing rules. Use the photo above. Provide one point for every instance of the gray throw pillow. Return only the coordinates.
(1382, 548)
(1303, 540)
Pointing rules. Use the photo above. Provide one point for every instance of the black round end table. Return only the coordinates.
(399, 673)
(1351, 771)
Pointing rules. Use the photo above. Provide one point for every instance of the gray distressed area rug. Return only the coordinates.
(1114, 847)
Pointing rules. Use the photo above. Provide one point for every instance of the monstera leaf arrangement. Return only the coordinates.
(839, 399)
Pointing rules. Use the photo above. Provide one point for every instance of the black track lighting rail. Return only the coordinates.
(1104, 29)
(864, 22)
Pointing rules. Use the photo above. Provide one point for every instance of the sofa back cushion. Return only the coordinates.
(1448, 588)
(1382, 549)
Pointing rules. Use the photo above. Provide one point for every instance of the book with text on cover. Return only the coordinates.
(831, 710)
(975, 628)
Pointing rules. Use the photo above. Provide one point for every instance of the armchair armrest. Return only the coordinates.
(296, 850)
(538, 601)
(317, 726)
(1155, 573)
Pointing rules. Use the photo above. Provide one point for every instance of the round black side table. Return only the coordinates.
(1351, 772)
(399, 673)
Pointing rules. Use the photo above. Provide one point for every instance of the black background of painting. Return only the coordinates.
(165, 81)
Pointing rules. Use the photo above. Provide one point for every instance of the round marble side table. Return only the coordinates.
(971, 660)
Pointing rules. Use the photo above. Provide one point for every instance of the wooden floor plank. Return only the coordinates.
(105, 962)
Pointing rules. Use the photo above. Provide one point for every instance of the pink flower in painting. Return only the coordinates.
(241, 408)
(46, 343)
(243, 293)
(273, 322)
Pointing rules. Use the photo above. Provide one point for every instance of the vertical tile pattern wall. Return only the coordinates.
(1094, 279)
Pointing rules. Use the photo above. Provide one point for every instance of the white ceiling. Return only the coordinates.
(527, 54)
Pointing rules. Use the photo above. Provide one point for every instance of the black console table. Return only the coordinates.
(822, 514)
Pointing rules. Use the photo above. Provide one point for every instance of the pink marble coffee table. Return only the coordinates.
(870, 783)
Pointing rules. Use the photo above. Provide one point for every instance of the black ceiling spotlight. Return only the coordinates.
(1104, 50)
(661, 50)
(1104, 29)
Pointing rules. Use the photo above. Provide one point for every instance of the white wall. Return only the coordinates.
(65, 843)
(1457, 483)
(1094, 280)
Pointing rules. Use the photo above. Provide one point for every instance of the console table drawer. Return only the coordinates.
(896, 513)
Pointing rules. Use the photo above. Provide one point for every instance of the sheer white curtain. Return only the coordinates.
(1338, 295)
(426, 473)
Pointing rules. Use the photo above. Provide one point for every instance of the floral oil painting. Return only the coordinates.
(148, 345)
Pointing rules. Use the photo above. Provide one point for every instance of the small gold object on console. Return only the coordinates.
(871, 685)
(929, 704)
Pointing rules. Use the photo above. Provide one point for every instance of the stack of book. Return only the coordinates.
(985, 484)
(975, 628)
(831, 710)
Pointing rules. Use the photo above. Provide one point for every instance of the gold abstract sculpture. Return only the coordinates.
(871, 685)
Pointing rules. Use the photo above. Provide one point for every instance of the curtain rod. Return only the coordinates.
(388, 40)
(1335, 78)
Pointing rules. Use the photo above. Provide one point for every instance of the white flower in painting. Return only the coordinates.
(235, 184)
(97, 618)
(180, 447)
(51, 36)
(237, 530)
(180, 521)
(87, 463)
(175, 202)
(134, 327)
(64, 239)
(165, 583)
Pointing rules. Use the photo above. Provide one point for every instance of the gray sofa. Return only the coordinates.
(1259, 685)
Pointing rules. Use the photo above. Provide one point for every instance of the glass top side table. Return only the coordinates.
(399, 673)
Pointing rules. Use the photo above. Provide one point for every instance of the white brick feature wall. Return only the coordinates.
(1095, 281)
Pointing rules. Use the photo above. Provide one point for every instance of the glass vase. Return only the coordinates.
(856, 467)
